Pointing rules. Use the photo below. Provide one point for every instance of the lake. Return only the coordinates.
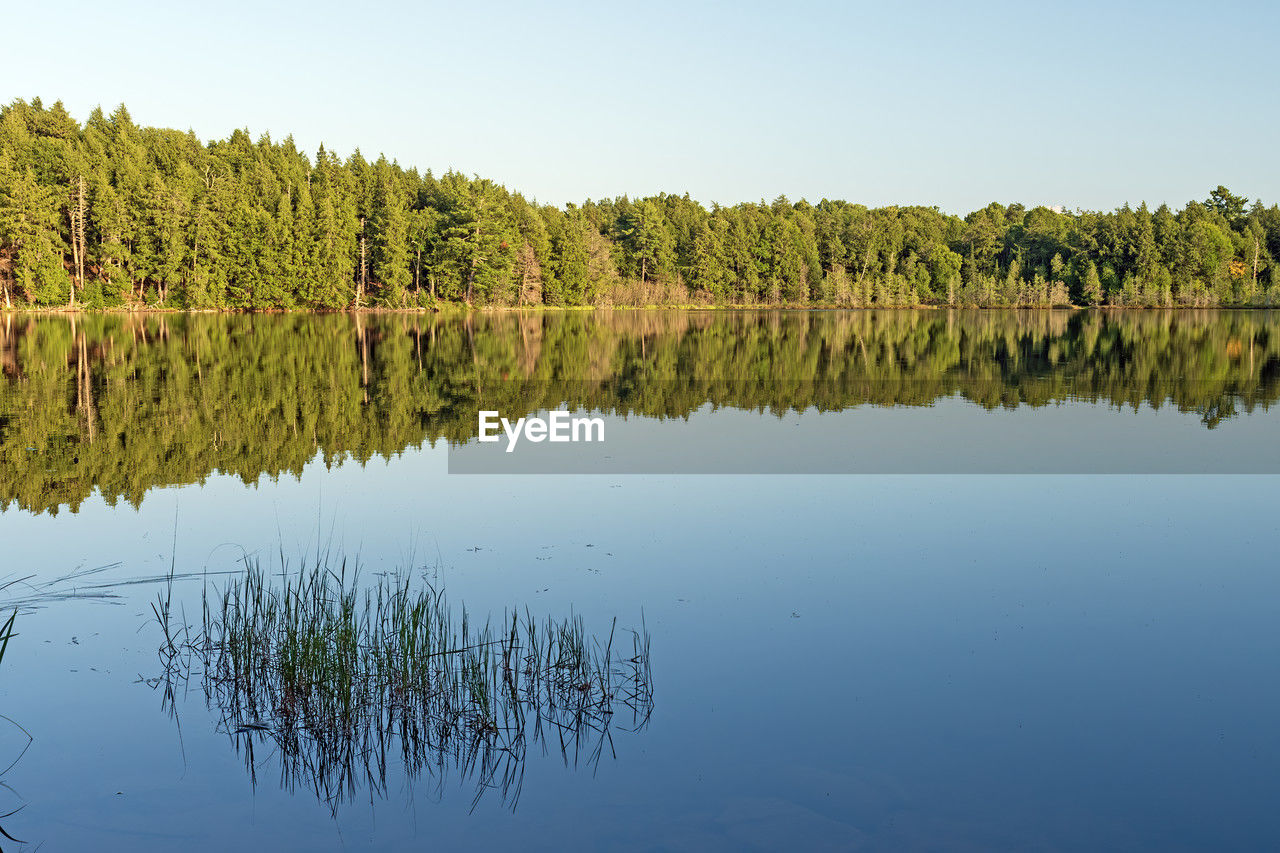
(834, 580)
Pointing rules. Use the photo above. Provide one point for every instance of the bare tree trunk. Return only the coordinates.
(364, 266)
(84, 213)
(1255, 268)
(475, 260)
(77, 213)
(75, 260)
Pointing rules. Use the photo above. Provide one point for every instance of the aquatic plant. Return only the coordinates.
(25, 594)
(339, 676)
(6, 633)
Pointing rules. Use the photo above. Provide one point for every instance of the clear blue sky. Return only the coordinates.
(956, 104)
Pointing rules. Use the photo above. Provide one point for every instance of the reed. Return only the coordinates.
(339, 676)
(6, 633)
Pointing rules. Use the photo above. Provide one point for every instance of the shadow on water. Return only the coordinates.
(338, 681)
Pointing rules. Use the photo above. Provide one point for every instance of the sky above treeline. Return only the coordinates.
(1088, 104)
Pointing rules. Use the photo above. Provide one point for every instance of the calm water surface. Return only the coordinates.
(931, 654)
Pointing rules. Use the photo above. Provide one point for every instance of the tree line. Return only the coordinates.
(123, 403)
(111, 214)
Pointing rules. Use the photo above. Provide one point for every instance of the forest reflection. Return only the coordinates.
(126, 403)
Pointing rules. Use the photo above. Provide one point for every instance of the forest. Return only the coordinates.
(124, 403)
(110, 214)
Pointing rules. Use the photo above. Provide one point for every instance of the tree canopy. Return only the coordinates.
(110, 213)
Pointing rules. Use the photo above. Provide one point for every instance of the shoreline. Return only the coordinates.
(454, 309)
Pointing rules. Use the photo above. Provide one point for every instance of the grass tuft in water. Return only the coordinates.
(339, 675)
(6, 633)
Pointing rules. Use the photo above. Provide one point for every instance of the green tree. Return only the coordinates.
(1091, 290)
(389, 226)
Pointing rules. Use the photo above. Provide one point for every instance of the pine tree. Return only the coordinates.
(647, 242)
(29, 233)
(1092, 289)
(570, 252)
(710, 269)
(389, 238)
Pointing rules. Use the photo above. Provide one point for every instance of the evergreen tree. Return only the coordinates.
(1092, 288)
(113, 214)
(389, 227)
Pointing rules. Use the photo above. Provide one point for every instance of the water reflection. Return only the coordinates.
(123, 404)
